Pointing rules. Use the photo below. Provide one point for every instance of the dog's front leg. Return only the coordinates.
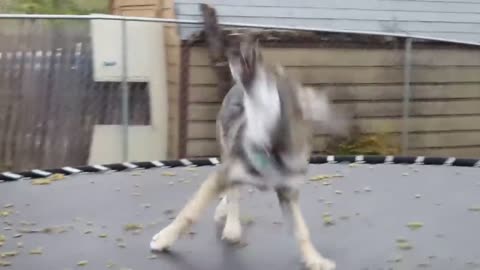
(214, 185)
(232, 231)
(289, 202)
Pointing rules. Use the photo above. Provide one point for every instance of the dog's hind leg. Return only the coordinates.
(214, 185)
(289, 202)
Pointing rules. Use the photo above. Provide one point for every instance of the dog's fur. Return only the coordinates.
(264, 130)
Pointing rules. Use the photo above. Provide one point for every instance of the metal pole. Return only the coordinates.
(125, 92)
(406, 94)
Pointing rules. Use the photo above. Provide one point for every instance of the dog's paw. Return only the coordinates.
(232, 232)
(317, 262)
(164, 239)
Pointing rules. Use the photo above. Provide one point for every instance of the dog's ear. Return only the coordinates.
(244, 60)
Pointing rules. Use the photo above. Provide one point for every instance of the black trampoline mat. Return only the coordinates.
(370, 206)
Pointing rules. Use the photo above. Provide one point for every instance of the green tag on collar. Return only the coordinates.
(260, 160)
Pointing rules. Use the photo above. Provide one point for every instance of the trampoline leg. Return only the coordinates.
(313, 260)
(209, 189)
(232, 232)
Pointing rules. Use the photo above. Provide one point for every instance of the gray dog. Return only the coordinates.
(265, 129)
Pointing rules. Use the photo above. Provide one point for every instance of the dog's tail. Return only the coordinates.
(318, 108)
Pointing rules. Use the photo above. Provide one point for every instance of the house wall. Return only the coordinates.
(453, 19)
(445, 106)
(161, 9)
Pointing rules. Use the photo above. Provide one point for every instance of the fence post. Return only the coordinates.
(407, 69)
(125, 92)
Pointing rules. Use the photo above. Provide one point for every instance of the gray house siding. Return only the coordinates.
(452, 19)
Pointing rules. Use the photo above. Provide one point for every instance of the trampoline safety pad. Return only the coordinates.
(361, 216)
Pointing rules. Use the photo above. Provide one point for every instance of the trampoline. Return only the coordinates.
(364, 213)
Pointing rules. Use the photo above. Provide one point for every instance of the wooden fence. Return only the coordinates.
(445, 107)
(49, 105)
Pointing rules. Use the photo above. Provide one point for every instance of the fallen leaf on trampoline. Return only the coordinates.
(36, 251)
(474, 209)
(415, 225)
(121, 245)
(367, 189)
(41, 181)
(168, 212)
(103, 235)
(339, 192)
(5, 213)
(8, 205)
(405, 174)
(146, 205)
(404, 245)
(44, 230)
(56, 177)
(19, 244)
(132, 227)
(18, 235)
(9, 254)
(82, 263)
(169, 174)
(396, 259)
(5, 263)
(87, 232)
(325, 177)
(328, 220)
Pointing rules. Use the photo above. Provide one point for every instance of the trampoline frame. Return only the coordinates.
(127, 166)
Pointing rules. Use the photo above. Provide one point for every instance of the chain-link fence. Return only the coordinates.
(66, 98)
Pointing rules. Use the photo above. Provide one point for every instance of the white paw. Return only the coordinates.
(164, 239)
(221, 211)
(232, 232)
(317, 262)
